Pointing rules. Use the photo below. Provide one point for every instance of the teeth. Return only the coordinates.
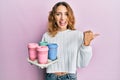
(62, 23)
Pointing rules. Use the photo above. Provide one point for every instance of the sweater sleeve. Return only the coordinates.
(84, 55)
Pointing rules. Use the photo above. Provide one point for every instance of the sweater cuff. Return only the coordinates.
(83, 46)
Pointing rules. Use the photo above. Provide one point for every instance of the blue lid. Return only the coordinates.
(52, 45)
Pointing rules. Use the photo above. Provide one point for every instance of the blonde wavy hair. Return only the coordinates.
(52, 25)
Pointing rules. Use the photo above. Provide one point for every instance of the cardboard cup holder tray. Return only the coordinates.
(35, 62)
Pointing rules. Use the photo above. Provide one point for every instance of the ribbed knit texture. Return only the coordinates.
(71, 51)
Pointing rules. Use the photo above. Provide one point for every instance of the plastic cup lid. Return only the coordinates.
(32, 45)
(42, 48)
(44, 43)
(52, 45)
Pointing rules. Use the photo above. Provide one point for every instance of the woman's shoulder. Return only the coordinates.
(45, 34)
(77, 31)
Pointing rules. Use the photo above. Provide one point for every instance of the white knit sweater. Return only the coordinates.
(71, 51)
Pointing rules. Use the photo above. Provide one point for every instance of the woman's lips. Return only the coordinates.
(62, 23)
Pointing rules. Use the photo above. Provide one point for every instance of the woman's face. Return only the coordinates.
(61, 17)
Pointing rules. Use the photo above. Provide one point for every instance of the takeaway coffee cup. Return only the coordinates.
(32, 53)
(42, 54)
(43, 43)
(52, 52)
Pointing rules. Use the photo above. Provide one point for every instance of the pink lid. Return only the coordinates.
(32, 45)
(42, 48)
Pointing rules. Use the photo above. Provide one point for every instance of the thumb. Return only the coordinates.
(95, 35)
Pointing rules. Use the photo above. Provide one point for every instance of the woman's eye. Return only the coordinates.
(57, 14)
(66, 14)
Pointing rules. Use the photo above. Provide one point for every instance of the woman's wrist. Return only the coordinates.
(86, 43)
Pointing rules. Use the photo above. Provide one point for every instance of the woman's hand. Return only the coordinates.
(88, 37)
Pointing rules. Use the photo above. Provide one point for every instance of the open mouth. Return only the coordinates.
(62, 23)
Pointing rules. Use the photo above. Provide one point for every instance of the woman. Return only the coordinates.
(73, 46)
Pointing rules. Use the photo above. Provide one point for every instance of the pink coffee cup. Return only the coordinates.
(32, 52)
(42, 54)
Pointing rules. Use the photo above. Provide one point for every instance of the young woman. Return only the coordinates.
(74, 48)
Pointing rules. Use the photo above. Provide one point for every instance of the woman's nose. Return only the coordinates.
(62, 17)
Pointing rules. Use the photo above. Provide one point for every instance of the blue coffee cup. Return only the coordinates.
(52, 52)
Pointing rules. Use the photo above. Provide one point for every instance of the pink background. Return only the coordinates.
(24, 21)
